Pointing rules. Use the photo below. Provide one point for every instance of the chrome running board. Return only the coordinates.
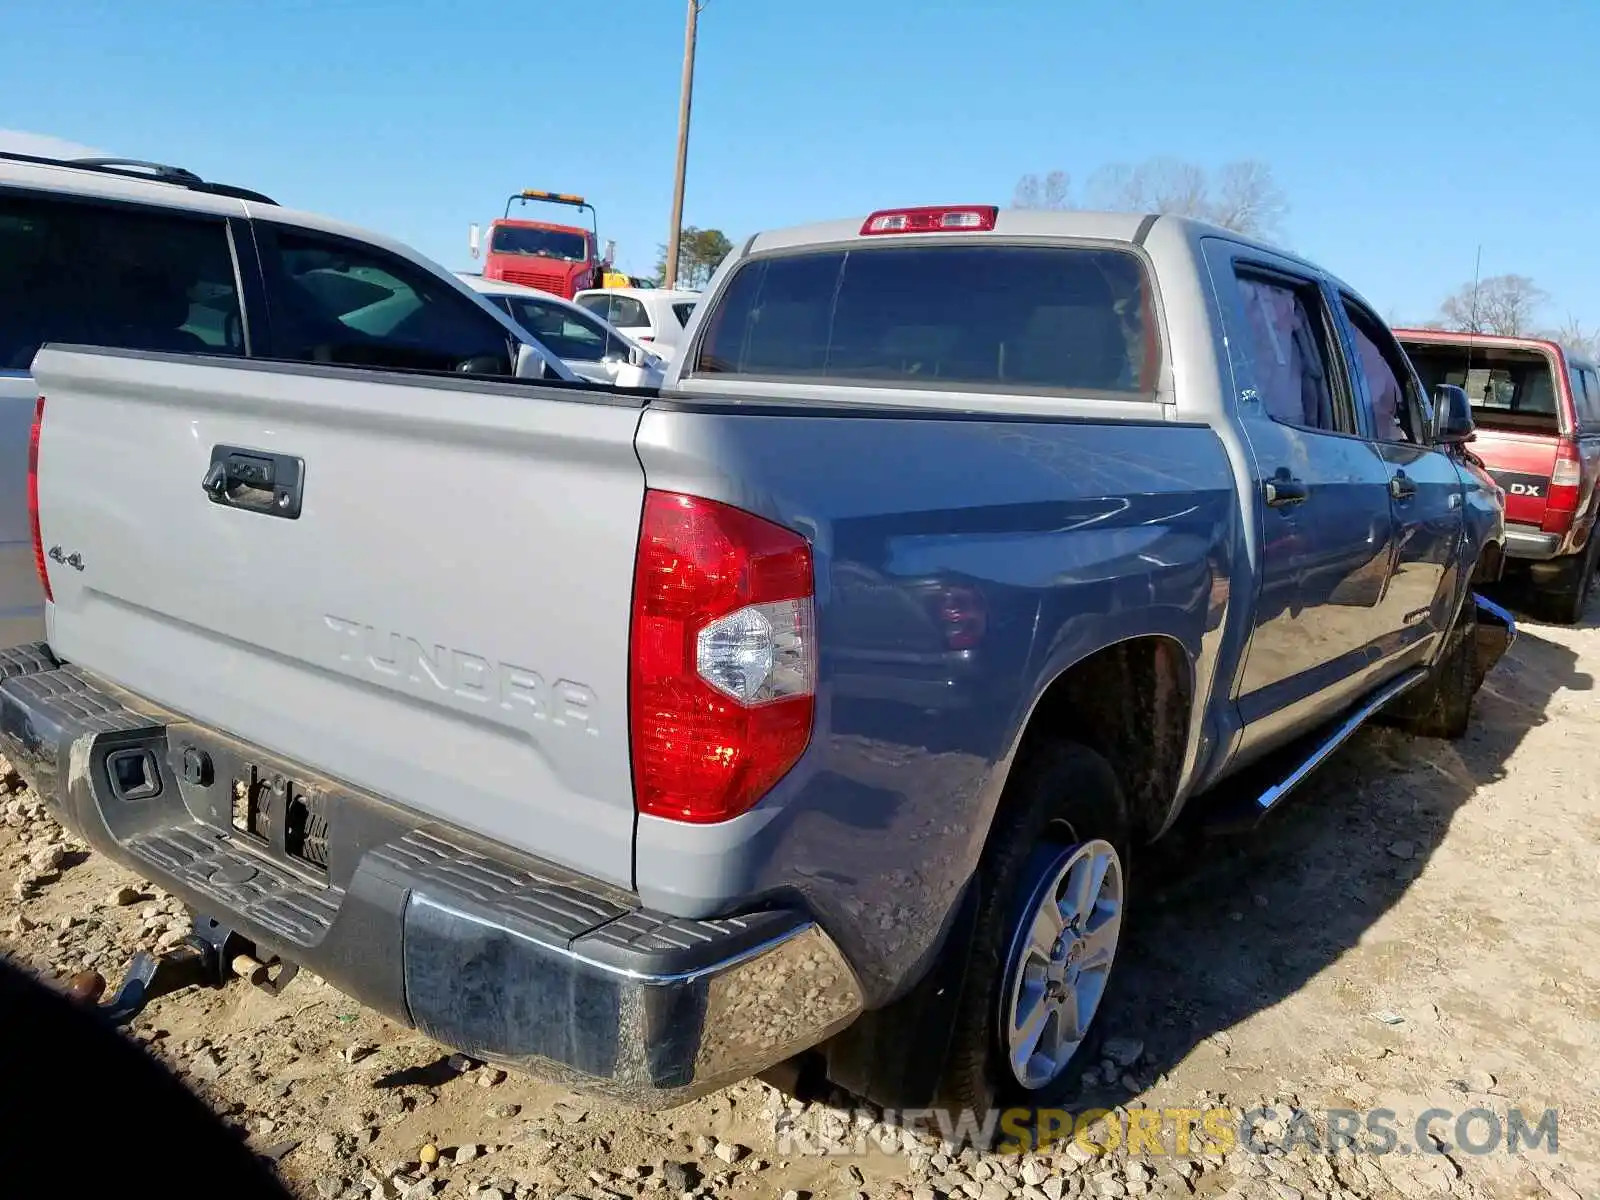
(1246, 814)
(1268, 800)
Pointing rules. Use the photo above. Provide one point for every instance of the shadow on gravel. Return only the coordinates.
(433, 1074)
(1223, 928)
(72, 858)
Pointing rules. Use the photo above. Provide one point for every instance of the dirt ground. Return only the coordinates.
(1416, 930)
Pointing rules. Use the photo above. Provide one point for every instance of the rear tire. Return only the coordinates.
(1565, 599)
(1064, 823)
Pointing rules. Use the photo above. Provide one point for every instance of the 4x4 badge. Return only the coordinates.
(73, 560)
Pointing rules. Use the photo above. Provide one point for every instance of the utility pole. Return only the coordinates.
(685, 95)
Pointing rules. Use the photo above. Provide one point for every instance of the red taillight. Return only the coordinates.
(940, 219)
(33, 498)
(1561, 500)
(723, 658)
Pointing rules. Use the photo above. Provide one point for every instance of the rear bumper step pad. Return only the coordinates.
(489, 951)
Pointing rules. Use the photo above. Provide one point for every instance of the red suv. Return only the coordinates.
(1537, 409)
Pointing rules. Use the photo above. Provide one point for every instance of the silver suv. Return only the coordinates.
(141, 256)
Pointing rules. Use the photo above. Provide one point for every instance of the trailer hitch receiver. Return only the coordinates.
(208, 956)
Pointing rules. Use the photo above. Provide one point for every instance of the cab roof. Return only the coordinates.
(1134, 229)
(1011, 223)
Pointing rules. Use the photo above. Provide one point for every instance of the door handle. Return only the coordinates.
(1283, 490)
(1401, 486)
(258, 481)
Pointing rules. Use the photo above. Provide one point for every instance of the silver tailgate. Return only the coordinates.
(446, 622)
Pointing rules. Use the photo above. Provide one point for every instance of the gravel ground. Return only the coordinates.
(1415, 931)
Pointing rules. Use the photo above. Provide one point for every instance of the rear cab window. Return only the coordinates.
(957, 315)
(1512, 388)
(628, 313)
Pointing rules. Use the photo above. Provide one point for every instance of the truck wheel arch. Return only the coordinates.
(1142, 686)
(1131, 702)
(1490, 564)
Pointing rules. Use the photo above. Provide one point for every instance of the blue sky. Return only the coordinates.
(1404, 133)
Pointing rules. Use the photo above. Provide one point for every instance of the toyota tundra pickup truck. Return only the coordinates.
(808, 709)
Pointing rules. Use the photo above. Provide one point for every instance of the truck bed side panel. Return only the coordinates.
(445, 623)
(962, 563)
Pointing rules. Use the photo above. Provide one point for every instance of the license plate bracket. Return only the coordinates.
(283, 813)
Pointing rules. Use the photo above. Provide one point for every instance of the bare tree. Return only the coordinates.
(1503, 304)
(1118, 187)
(1165, 185)
(1057, 186)
(1577, 337)
(1248, 199)
(1052, 191)
(1243, 196)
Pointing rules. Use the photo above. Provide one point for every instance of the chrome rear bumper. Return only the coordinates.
(508, 958)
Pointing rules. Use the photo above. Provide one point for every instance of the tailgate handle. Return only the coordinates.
(259, 481)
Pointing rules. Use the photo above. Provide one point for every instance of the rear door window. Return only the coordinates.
(112, 275)
(972, 317)
(1287, 347)
(683, 312)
